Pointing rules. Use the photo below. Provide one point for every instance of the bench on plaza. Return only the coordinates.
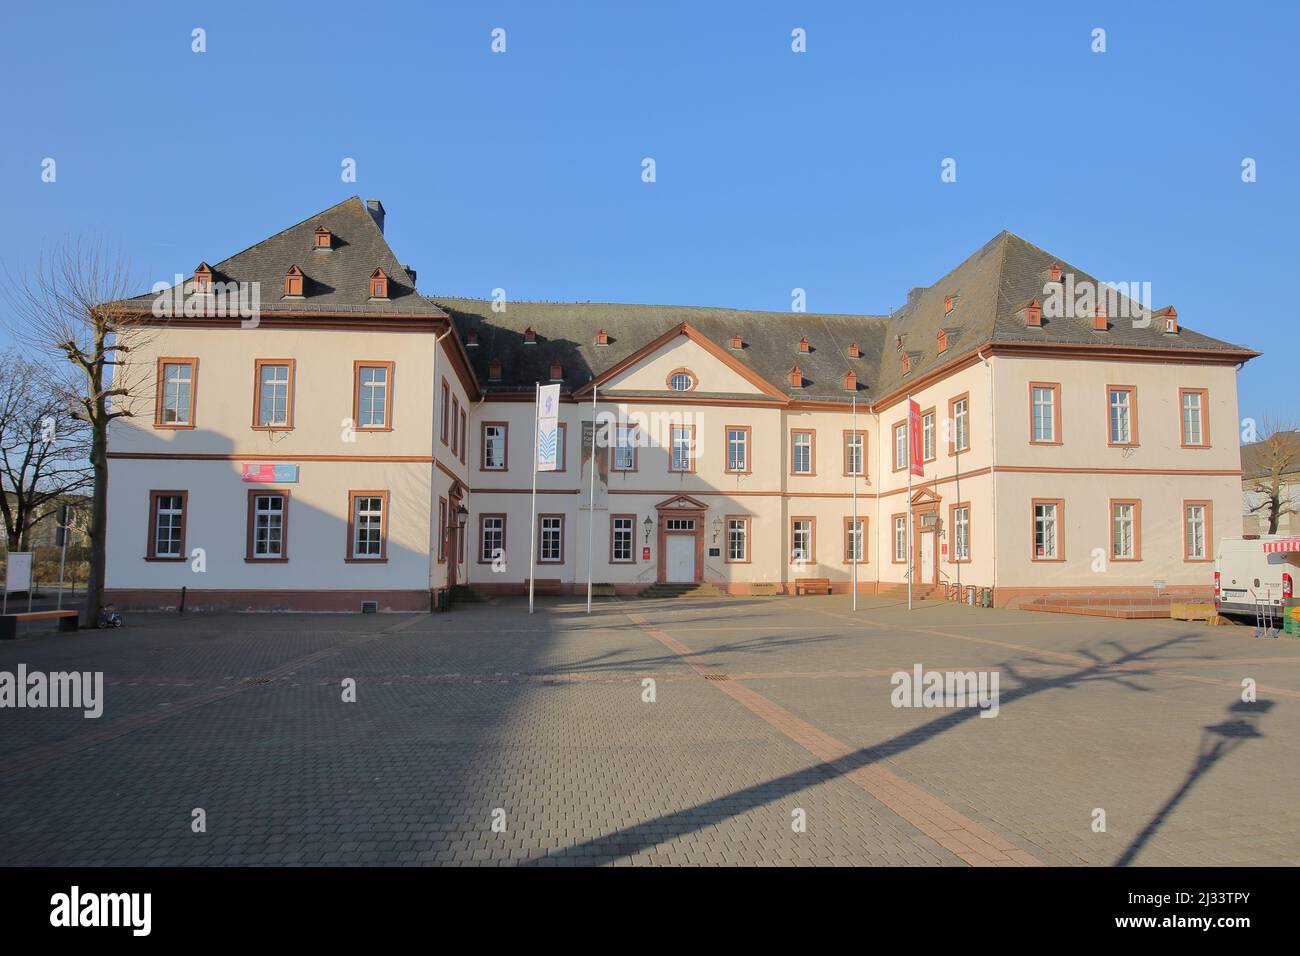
(812, 585)
(68, 621)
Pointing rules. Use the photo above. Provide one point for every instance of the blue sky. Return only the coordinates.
(775, 170)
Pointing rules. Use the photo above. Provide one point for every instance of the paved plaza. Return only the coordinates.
(728, 731)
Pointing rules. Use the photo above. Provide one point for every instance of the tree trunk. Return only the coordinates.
(98, 520)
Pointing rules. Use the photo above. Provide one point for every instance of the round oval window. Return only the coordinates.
(681, 382)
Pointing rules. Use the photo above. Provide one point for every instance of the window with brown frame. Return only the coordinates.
(1198, 531)
(803, 452)
(929, 436)
(372, 396)
(803, 539)
(1044, 413)
(899, 431)
(550, 539)
(1121, 416)
(1048, 529)
(959, 424)
(959, 532)
(168, 511)
(367, 526)
(268, 527)
(378, 285)
(273, 394)
(737, 543)
(463, 436)
(177, 386)
(442, 530)
(1194, 421)
(494, 437)
(855, 540)
(623, 452)
(445, 410)
(855, 452)
(622, 539)
(491, 537)
(1125, 529)
(682, 450)
(737, 450)
(899, 526)
(562, 446)
(455, 428)
(293, 283)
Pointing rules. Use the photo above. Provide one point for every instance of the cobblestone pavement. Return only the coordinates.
(766, 713)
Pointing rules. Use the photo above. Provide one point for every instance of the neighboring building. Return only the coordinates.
(1060, 453)
(44, 533)
(1279, 453)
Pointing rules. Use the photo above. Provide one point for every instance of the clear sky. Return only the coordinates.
(775, 170)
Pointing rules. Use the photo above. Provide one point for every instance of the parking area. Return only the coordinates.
(728, 731)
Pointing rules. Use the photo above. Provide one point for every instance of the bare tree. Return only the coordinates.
(44, 452)
(71, 305)
(1266, 466)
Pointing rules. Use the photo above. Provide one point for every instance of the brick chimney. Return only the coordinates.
(1034, 314)
(376, 210)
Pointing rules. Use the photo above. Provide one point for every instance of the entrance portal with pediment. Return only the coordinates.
(681, 539)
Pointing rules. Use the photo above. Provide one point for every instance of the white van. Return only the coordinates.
(1245, 574)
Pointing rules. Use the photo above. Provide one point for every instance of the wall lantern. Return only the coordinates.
(649, 526)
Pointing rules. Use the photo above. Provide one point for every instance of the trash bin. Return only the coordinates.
(986, 597)
(1291, 617)
(971, 592)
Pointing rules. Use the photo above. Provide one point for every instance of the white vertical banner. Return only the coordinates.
(548, 431)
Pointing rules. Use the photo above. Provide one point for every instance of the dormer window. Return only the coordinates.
(602, 337)
(854, 351)
(378, 285)
(557, 372)
(850, 381)
(530, 336)
(907, 363)
(203, 279)
(948, 302)
(1099, 319)
(471, 339)
(736, 343)
(494, 370)
(1171, 321)
(1034, 314)
(293, 283)
(796, 377)
(323, 239)
(898, 343)
(1054, 273)
(804, 347)
(941, 341)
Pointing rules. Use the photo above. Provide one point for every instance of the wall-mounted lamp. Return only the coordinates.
(649, 526)
(717, 528)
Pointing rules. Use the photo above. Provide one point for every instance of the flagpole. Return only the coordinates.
(532, 541)
(853, 525)
(591, 508)
(909, 501)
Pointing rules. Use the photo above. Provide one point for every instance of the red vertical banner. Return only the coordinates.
(914, 438)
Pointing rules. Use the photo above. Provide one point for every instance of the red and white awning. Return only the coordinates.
(1282, 546)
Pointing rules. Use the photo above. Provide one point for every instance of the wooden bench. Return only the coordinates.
(68, 621)
(812, 585)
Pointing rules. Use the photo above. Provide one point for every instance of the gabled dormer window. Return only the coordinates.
(941, 341)
(804, 347)
(602, 337)
(471, 339)
(494, 370)
(1054, 273)
(323, 239)
(907, 363)
(854, 351)
(530, 336)
(203, 279)
(378, 285)
(1171, 321)
(293, 283)
(948, 303)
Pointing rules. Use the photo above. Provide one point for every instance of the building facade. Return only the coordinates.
(358, 441)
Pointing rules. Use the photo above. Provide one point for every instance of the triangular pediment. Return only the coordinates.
(681, 503)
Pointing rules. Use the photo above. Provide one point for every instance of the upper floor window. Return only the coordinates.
(900, 446)
(959, 413)
(494, 446)
(681, 380)
(273, 403)
(372, 396)
(683, 448)
(1194, 402)
(445, 411)
(624, 448)
(1044, 413)
(855, 453)
(961, 533)
(175, 405)
(928, 451)
(738, 449)
(801, 453)
(1122, 400)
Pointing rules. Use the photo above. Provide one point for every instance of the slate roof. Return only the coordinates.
(337, 280)
(990, 291)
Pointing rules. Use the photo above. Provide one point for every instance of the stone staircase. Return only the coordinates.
(679, 590)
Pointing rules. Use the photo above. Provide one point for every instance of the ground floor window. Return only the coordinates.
(492, 537)
(1124, 530)
(368, 534)
(1196, 530)
(167, 525)
(961, 533)
(854, 540)
(268, 519)
(900, 539)
(621, 529)
(550, 539)
(737, 538)
(801, 539)
(1047, 530)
